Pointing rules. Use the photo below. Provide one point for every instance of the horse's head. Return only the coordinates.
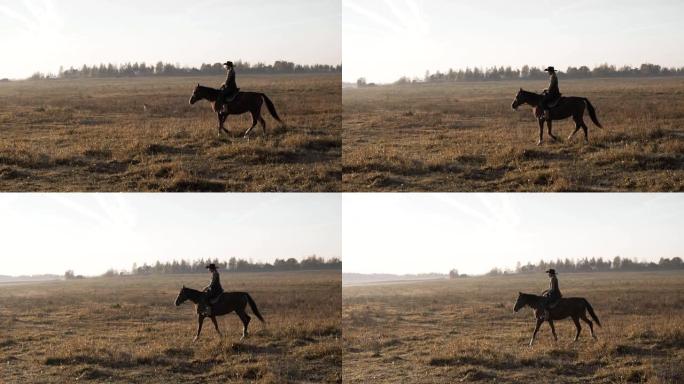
(518, 99)
(181, 296)
(195, 95)
(521, 302)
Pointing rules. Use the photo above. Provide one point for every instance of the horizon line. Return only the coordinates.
(178, 65)
(485, 68)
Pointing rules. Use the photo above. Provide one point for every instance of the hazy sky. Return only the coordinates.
(386, 39)
(422, 233)
(41, 35)
(90, 233)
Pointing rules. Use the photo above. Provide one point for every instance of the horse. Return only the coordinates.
(575, 307)
(226, 303)
(242, 103)
(566, 107)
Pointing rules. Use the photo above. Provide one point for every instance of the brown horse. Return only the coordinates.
(244, 102)
(226, 303)
(575, 307)
(566, 107)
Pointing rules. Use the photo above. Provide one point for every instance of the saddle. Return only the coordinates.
(215, 299)
(552, 103)
(555, 103)
(227, 99)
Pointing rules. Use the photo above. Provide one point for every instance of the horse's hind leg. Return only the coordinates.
(254, 123)
(213, 320)
(553, 330)
(586, 132)
(536, 329)
(578, 125)
(245, 322)
(263, 124)
(200, 321)
(591, 325)
(578, 326)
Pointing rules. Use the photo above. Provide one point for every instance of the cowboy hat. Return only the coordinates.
(211, 266)
(228, 64)
(550, 69)
(551, 271)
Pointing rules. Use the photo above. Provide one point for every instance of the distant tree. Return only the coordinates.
(361, 82)
(453, 274)
(69, 275)
(617, 262)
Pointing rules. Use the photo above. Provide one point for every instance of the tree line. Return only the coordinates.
(535, 73)
(618, 264)
(168, 69)
(232, 265)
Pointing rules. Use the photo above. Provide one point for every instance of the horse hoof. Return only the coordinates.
(195, 339)
(539, 143)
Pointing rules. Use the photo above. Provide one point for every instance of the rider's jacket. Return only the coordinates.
(554, 292)
(553, 90)
(230, 86)
(214, 288)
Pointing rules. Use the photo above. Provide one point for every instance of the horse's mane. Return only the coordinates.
(202, 87)
(528, 93)
(192, 290)
(530, 296)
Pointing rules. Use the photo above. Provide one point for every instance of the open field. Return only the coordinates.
(95, 135)
(127, 330)
(465, 330)
(466, 137)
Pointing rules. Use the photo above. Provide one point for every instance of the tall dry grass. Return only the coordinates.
(127, 330)
(466, 137)
(465, 330)
(97, 135)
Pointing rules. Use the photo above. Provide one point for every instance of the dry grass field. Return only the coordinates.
(466, 137)
(465, 331)
(95, 135)
(127, 330)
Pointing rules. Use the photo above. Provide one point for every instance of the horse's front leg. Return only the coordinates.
(553, 330)
(200, 321)
(213, 320)
(224, 117)
(536, 329)
(220, 123)
(541, 131)
(549, 124)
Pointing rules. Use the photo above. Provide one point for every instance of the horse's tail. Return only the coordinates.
(592, 113)
(271, 108)
(252, 305)
(591, 312)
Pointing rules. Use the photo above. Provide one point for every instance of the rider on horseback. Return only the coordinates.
(229, 88)
(551, 94)
(552, 295)
(212, 290)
